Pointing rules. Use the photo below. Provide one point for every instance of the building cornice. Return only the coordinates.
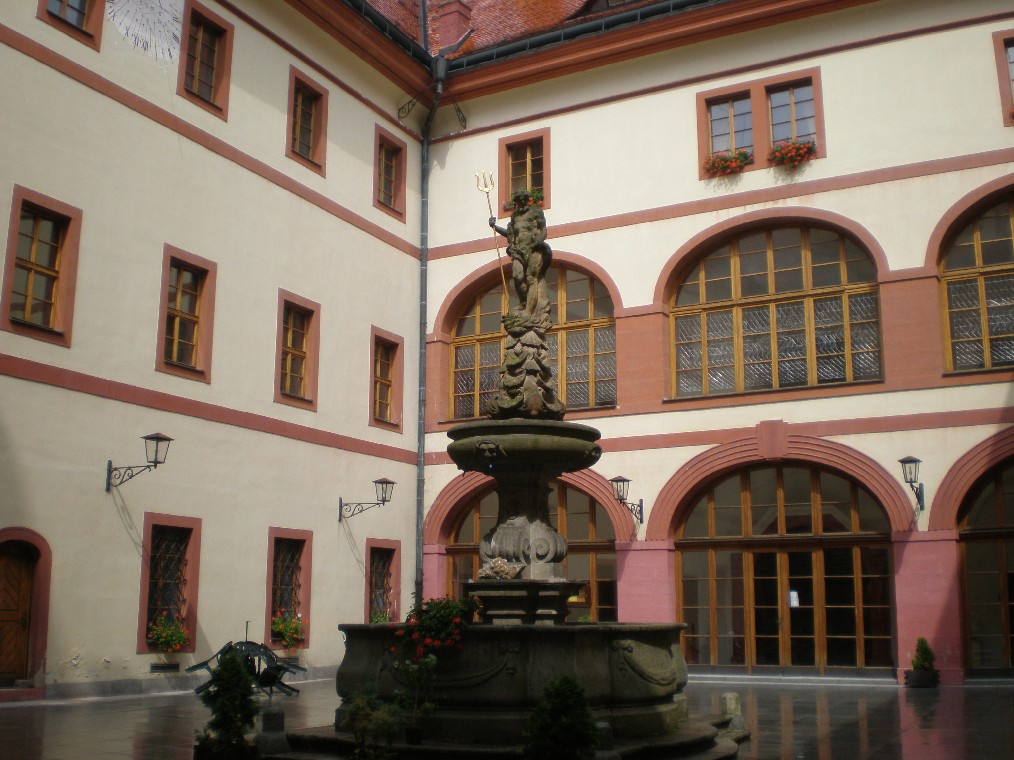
(355, 32)
(632, 41)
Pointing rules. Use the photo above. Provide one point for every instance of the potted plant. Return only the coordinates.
(373, 724)
(727, 162)
(168, 633)
(561, 726)
(230, 697)
(922, 674)
(792, 153)
(287, 629)
(432, 628)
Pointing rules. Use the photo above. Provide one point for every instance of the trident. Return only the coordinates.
(484, 183)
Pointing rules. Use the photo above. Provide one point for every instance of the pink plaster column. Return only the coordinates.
(645, 580)
(434, 571)
(927, 593)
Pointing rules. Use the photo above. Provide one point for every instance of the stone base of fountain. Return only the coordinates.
(633, 675)
(523, 602)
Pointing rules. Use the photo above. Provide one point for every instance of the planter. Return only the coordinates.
(922, 679)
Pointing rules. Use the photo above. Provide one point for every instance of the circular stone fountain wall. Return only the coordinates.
(632, 673)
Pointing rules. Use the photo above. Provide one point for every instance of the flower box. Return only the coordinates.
(792, 153)
(727, 162)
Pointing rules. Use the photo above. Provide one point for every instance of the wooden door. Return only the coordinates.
(17, 564)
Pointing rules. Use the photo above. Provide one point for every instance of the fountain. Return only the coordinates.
(633, 674)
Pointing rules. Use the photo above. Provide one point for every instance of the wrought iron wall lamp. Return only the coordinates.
(621, 486)
(384, 488)
(910, 473)
(156, 446)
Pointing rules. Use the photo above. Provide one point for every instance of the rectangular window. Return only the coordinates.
(380, 585)
(295, 324)
(298, 347)
(524, 165)
(206, 59)
(40, 268)
(307, 121)
(182, 314)
(71, 11)
(188, 285)
(290, 560)
(389, 173)
(81, 19)
(1003, 49)
(731, 123)
(383, 365)
(383, 581)
(387, 380)
(756, 116)
(169, 574)
(792, 113)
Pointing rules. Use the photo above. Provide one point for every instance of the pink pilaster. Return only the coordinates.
(645, 579)
(434, 571)
(927, 592)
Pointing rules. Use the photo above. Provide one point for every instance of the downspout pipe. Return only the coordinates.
(439, 69)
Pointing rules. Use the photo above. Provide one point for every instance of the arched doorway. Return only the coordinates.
(591, 541)
(18, 561)
(986, 534)
(785, 566)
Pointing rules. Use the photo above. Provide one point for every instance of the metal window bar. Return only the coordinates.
(285, 576)
(167, 573)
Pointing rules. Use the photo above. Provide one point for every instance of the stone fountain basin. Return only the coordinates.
(550, 445)
(632, 673)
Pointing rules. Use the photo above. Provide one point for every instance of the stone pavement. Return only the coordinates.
(789, 719)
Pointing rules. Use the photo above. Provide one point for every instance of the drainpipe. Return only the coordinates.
(439, 68)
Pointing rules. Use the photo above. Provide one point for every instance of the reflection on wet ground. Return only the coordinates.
(788, 721)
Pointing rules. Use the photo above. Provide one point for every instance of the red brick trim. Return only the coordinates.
(67, 280)
(206, 315)
(219, 104)
(58, 377)
(758, 90)
(317, 162)
(193, 574)
(675, 496)
(305, 580)
(90, 34)
(1000, 42)
(503, 167)
(382, 137)
(396, 422)
(685, 256)
(962, 476)
(309, 401)
(961, 213)
(38, 620)
(395, 545)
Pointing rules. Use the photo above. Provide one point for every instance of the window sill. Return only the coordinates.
(37, 332)
(182, 370)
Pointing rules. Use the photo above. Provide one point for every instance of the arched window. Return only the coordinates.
(582, 344)
(978, 280)
(591, 552)
(986, 530)
(777, 308)
(785, 566)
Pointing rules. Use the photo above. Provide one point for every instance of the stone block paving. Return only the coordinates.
(788, 719)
